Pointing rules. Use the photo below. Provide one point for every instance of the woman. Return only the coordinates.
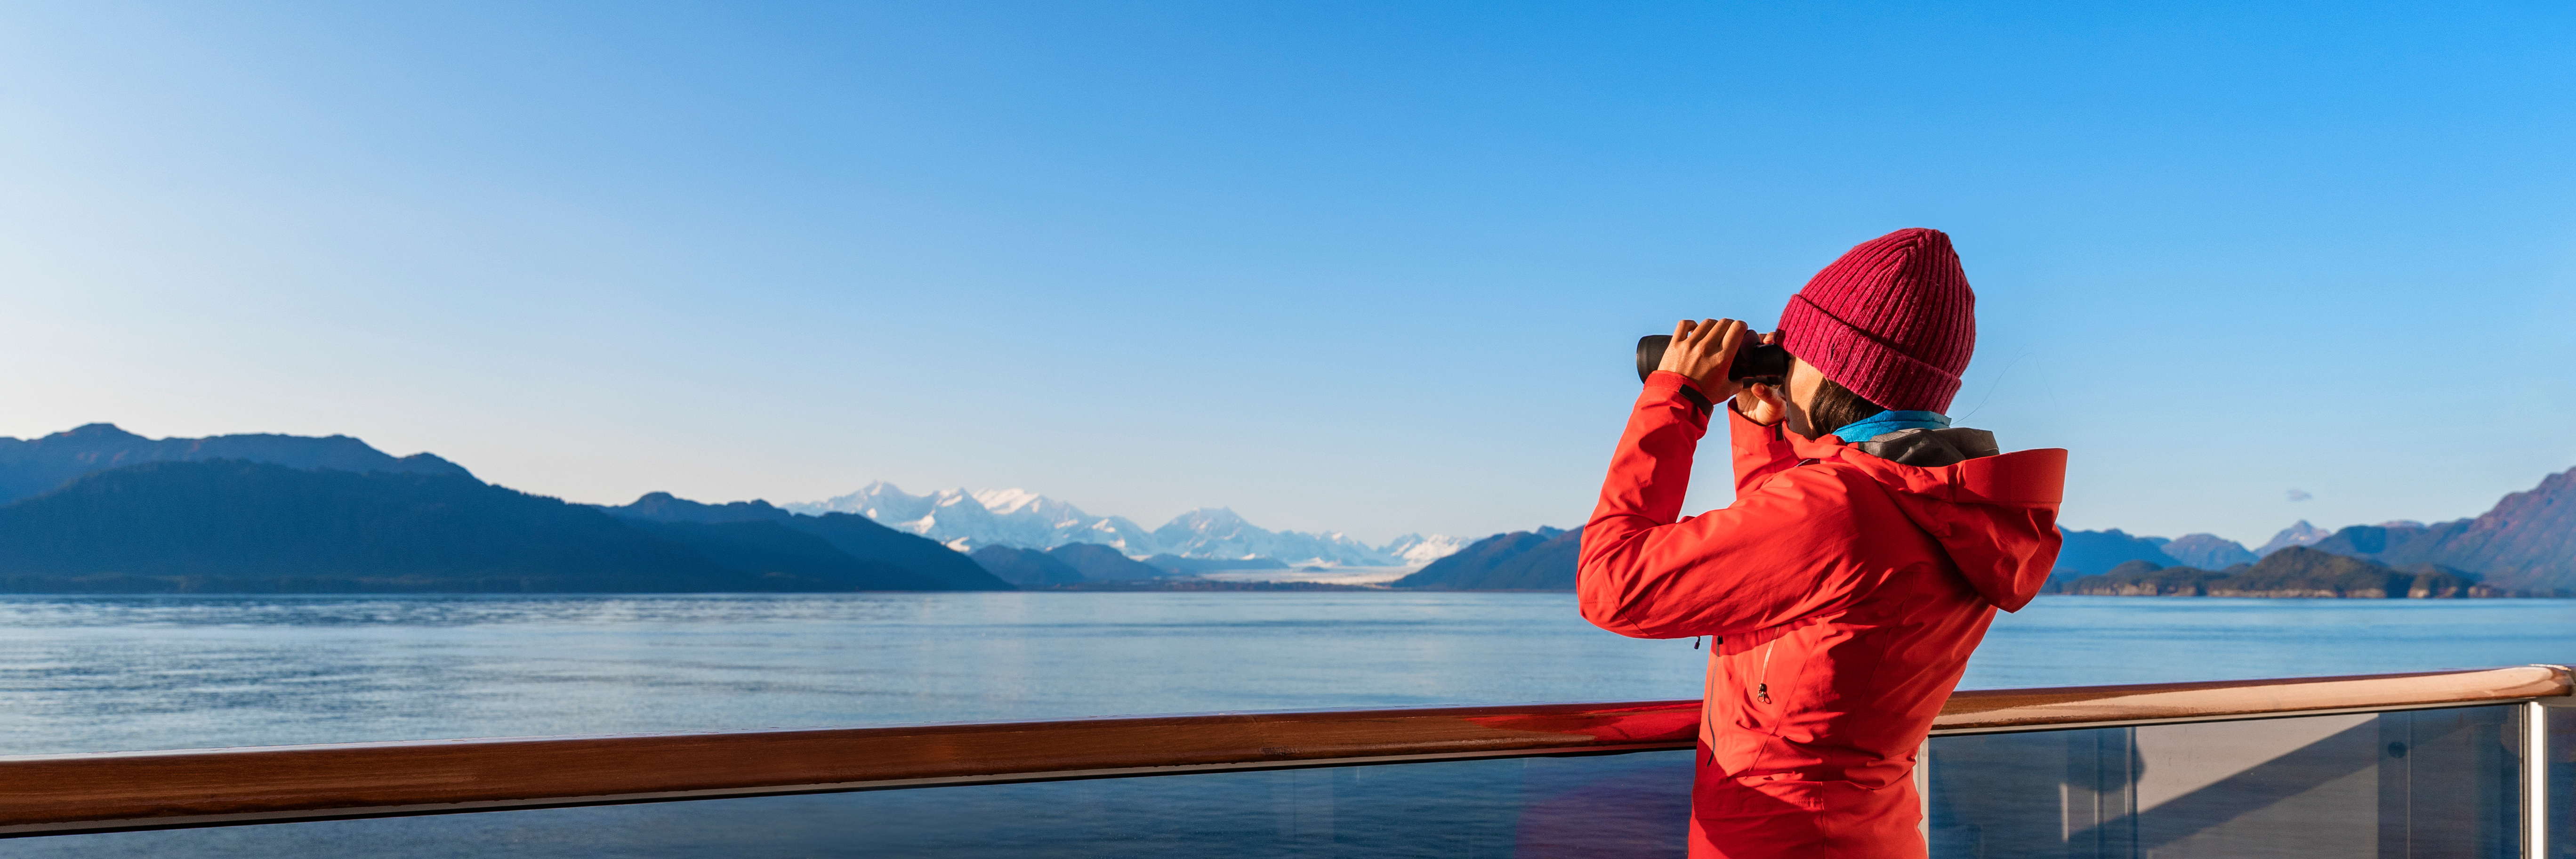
(1868, 547)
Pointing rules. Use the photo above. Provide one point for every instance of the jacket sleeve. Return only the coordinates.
(1645, 572)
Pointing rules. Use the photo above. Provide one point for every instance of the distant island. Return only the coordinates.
(2295, 572)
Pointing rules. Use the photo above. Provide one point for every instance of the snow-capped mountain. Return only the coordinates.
(1216, 532)
(1417, 549)
(1022, 519)
(967, 521)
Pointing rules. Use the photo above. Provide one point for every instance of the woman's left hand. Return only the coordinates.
(1763, 404)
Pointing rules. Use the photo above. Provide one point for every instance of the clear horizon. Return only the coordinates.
(1338, 269)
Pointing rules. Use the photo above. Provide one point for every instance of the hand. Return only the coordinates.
(1762, 404)
(1703, 351)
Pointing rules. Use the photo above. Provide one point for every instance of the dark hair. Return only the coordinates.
(1837, 407)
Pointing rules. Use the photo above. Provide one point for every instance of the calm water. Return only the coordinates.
(103, 673)
(135, 673)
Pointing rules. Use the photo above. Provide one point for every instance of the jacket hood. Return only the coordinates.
(1994, 513)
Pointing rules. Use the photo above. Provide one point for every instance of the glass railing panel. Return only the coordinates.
(2421, 783)
(1631, 805)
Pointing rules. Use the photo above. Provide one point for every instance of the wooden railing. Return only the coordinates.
(62, 794)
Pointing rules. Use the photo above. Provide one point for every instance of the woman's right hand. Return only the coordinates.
(1703, 350)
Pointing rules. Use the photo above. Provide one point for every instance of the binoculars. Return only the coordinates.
(1755, 363)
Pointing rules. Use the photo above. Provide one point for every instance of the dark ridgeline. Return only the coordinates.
(2527, 542)
(1028, 568)
(30, 467)
(758, 526)
(2133, 579)
(1541, 560)
(2209, 551)
(2098, 551)
(228, 526)
(1098, 563)
(331, 515)
(2524, 546)
(2305, 571)
(2297, 571)
(1090, 566)
(791, 559)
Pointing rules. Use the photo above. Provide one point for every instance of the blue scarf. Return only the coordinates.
(1890, 421)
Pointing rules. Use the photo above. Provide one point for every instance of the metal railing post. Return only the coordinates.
(1923, 790)
(2535, 780)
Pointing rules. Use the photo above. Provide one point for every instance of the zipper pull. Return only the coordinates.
(1694, 642)
(1762, 692)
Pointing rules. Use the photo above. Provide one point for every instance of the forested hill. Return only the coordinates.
(2525, 544)
(30, 467)
(2297, 571)
(742, 531)
(232, 526)
(1541, 560)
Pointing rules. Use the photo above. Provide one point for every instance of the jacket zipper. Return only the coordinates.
(1761, 693)
(1762, 681)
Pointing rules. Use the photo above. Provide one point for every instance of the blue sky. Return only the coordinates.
(1349, 267)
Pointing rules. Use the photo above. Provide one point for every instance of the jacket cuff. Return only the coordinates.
(1758, 450)
(1762, 443)
(1681, 384)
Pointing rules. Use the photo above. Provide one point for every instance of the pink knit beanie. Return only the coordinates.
(1893, 320)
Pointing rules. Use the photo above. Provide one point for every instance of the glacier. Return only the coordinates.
(1018, 518)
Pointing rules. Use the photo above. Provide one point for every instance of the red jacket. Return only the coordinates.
(1846, 590)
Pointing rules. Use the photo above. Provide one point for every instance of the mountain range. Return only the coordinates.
(1019, 519)
(1540, 560)
(2525, 545)
(99, 509)
(32, 466)
(1068, 564)
(2293, 571)
(2092, 552)
(2098, 552)
(1545, 559)
(292, 514)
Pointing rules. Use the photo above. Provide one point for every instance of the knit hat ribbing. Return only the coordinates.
(1893, 320)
